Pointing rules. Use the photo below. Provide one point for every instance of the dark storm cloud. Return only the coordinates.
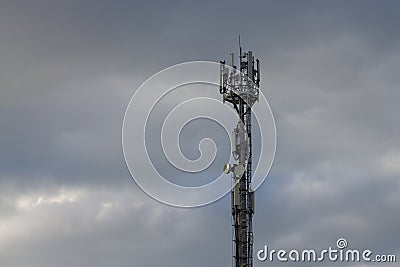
(68, 69)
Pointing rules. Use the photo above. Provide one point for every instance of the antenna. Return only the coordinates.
(240, 50)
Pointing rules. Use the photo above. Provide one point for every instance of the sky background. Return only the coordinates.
(330, 70)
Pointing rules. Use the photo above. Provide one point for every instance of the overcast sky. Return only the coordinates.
(330, 70)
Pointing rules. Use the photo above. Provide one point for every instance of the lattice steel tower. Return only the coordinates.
(241, 88)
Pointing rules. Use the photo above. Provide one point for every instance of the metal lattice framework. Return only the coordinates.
(241, 88)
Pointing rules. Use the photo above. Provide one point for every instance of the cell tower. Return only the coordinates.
(241, 88)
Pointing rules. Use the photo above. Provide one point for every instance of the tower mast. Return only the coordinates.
(240, 87)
